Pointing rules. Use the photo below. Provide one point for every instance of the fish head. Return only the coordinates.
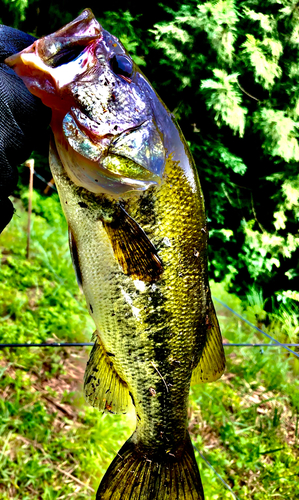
(103, 118)
(42, 65)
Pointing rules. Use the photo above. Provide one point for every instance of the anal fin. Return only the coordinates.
(212, 361)
(132, 248)
(103, 387)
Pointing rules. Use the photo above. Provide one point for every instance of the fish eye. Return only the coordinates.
(121, 65)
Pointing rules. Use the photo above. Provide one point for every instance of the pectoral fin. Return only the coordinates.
(133, 249)
(212, 362)
(103, 388)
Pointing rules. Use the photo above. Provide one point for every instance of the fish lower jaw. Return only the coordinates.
(94, 161)
(94, 177)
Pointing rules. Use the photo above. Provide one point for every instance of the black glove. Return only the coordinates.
(23, 119)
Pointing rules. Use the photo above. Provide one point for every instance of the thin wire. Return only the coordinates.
(259, 345)
(219, 477)
(256, 328)
(82, 344)
(50, 344)
(44, 180)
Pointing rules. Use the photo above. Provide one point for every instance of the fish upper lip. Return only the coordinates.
(42, 50)
(86, 20)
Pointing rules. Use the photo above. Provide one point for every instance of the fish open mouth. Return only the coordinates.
(62, 46)
(42, 65)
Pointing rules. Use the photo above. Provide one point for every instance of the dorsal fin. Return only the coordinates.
(212, 361)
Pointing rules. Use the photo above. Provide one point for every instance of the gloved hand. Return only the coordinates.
(23, 119)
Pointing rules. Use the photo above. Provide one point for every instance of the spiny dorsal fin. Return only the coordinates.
(103, 388)
(132, 248)
(212, 362)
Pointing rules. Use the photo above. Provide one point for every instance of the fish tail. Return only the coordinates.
(134, 476)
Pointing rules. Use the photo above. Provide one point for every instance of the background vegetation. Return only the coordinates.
(229, 72)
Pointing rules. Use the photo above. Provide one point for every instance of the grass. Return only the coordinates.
(54, 447)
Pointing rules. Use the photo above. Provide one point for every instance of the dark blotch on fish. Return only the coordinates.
(75, 258)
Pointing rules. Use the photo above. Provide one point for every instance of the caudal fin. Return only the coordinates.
(133, 476)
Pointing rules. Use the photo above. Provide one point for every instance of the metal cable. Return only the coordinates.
(49, 344)
(285, 346)
(82, 344)
(52, 186)
(219, 477)
(260, 345)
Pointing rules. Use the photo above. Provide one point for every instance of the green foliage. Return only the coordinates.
(17, 8)
(263, 57)
(225, 99)
(279, 133)
(216, 19)
(36, 291)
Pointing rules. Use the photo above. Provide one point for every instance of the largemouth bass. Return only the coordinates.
(138, 237)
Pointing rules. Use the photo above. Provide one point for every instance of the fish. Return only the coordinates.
(138, 237)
